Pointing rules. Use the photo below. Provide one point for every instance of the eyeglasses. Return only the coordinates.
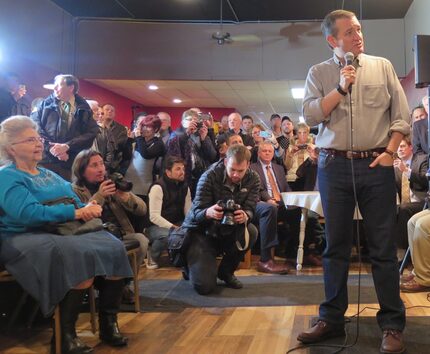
(31, 141)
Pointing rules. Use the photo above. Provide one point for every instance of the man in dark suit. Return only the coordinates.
(271, 208)
(411, 181)
(420, 127)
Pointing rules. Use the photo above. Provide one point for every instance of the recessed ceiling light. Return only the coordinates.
(298, 93)
(48, 86)
(153, 87)
(177, 100)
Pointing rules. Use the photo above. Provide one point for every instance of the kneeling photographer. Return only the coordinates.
(113, 194)
(219, 221)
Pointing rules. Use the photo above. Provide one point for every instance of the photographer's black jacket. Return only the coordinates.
(212, 188)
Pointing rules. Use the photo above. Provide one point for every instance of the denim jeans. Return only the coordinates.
(376, 195)
(158, 237)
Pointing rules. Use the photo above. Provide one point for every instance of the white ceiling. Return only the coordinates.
(258, 98)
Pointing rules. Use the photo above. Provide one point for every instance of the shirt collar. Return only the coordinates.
(264, 165)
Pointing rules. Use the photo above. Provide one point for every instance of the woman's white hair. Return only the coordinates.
(9, 129)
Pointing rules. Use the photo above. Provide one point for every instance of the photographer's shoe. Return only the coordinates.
(231, 281)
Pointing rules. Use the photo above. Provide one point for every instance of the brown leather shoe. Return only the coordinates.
(271, 267)
(320, 331)
(413, 287)
(392, 342)
(312, 260)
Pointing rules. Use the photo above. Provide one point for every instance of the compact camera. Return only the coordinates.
(202, 117)
(228, 207)
(120, 182)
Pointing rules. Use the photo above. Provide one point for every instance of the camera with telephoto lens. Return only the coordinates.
(228, 208)
(202, 117)
(120, 182)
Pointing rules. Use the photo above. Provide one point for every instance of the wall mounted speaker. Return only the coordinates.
(422, 60)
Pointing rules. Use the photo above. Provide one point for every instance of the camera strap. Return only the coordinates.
(246, 236)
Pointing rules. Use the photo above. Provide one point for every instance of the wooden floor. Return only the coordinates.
(242, 330)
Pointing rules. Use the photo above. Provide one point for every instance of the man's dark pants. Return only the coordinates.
(201, 258)
(376, 194)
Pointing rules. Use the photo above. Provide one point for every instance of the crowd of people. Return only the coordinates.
(69, 160)
(220, 184)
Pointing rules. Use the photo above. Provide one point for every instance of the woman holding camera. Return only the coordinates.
(300, 160)
(117, 202)
(55, 269)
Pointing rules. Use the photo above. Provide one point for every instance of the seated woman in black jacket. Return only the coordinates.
(55, 269)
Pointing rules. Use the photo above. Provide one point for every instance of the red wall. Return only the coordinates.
(123, 106)
(413, 94)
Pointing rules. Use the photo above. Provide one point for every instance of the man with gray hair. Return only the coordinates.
(66, 123)
(362, 113)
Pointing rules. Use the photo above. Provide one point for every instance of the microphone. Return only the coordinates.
(349, 58)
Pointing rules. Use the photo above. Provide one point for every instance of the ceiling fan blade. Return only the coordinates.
(246, 38)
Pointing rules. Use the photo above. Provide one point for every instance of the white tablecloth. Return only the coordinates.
(310, 200)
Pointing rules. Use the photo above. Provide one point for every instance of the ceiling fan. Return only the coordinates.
(226, 38)
(295, 31)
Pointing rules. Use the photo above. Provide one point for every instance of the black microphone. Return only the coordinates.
(349, 58)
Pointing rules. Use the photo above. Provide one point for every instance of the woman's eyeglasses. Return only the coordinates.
(32, 141)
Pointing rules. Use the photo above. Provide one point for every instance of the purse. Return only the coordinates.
(73, 227)
(177, 245)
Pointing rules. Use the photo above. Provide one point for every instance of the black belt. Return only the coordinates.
(349, 154)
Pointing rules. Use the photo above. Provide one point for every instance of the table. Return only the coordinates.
(307, 200)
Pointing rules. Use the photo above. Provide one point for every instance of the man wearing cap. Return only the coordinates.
(362, 114)
(66, 123)
(287, 128)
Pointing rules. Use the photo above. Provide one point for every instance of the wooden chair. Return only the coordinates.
(132, 247)
(5, 276)
(246, 263)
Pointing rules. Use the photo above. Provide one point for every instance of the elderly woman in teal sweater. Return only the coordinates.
(55, 269)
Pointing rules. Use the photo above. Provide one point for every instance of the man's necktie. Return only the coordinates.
(275, 191)
(406, 189)
(65, 113)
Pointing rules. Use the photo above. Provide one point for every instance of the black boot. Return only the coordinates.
(110, 293)
(69, 312)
